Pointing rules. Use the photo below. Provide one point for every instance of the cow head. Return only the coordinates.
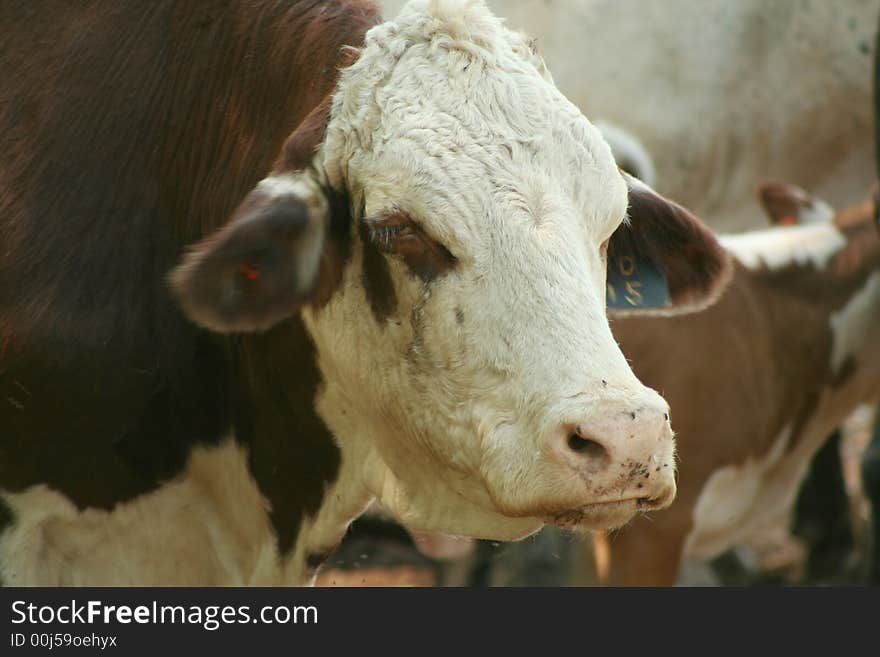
(446, 249)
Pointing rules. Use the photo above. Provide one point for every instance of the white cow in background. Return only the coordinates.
(722, 94)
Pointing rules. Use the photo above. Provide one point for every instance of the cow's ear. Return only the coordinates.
(663, 259)
(269, 260)
(789, 205)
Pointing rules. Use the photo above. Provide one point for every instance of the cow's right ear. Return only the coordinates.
(267, 262)
(789, 205)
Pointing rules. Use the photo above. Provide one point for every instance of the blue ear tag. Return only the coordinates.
(635, 282)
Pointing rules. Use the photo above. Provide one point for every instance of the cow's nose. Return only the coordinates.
(624, 450)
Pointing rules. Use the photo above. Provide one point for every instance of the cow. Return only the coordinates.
(823, 506)
(722, 94)
(263, 262)
(756, 384)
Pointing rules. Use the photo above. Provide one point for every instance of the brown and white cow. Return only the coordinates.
(407, 303)
(756, 383)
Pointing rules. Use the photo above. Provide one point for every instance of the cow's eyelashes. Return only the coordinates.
(396, 234)
(385, 235)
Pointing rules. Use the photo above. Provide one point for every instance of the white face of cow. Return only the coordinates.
(467, 359)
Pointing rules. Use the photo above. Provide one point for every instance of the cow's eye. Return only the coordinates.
(389, 237)
(397, 234)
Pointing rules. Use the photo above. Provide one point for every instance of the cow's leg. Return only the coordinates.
(871, 485)
(644, 553)
(822, 513)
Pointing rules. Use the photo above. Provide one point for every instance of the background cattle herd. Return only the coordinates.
(758, 117)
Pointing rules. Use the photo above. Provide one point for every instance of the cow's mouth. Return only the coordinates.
(602, 515)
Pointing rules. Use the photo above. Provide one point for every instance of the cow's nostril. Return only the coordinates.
(586, 447)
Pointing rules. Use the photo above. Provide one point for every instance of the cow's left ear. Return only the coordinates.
(663, 260)
(275, 255)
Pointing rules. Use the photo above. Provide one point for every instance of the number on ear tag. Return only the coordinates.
(635, 282)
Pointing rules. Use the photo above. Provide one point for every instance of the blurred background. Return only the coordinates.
(721, 93)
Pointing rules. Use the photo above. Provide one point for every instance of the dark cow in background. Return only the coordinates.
(127, 134)
(393, 293)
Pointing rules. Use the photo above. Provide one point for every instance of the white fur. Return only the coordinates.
(211, 519)
(812, 210)
(311, 242)
(449, 116)
(732, 502)
(208, 526)
(817, 212)
(282, 185)
(777, 248)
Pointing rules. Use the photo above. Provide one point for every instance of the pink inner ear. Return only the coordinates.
(782, 203)
(250, 272)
